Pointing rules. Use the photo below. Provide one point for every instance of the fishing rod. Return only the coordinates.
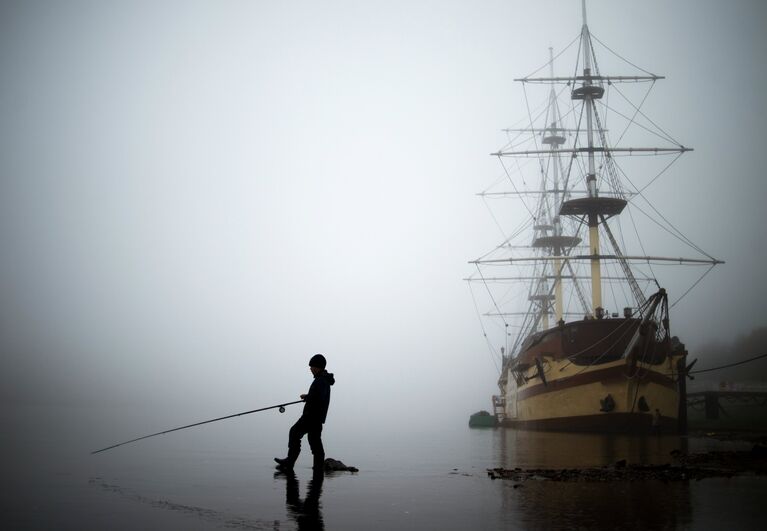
(281, 406)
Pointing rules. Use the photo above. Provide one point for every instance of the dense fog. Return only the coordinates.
(198, 196)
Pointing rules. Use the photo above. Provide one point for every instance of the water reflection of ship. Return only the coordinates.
(541, 449)
(596, 505)
(600, 370)
(628, 505)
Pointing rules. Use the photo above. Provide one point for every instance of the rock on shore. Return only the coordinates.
(334, 465)
(683, 467)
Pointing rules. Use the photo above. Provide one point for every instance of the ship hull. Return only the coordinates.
(557, 385)
(629, 423)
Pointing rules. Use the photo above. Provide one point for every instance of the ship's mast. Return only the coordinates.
(548, 232)
(558, 306)
(553, 258)
(591, 179)
(550, 238)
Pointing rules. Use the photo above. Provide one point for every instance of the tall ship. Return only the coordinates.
(577, 299)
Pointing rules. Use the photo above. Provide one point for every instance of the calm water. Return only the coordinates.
(433, 478)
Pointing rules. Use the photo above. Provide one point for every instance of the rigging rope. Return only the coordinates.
(668, 136)
(678, 235)
(659, 174)
(637, 292)
(693, 286)
(607, 157)
(729, 365)
(619, 57)
(515, 187)
(489, 292)
(492, 352)
(607, 350)
(577, 37)
(497, 224)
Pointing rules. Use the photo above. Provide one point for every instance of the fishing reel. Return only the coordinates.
(282, 409)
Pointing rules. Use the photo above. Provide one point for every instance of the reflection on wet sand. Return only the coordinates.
(591, 505)
(306, 513)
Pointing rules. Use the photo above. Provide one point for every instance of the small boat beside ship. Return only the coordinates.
(567, 361)
(483, 419)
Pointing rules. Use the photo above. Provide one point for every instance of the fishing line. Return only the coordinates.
(281, 406)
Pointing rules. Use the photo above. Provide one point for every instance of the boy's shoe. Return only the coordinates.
(283, 464)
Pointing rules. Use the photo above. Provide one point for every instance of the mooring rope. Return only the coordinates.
(729, 365)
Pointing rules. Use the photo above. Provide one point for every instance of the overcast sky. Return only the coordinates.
(195, 197)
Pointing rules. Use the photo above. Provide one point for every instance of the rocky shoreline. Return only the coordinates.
(682, 467)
